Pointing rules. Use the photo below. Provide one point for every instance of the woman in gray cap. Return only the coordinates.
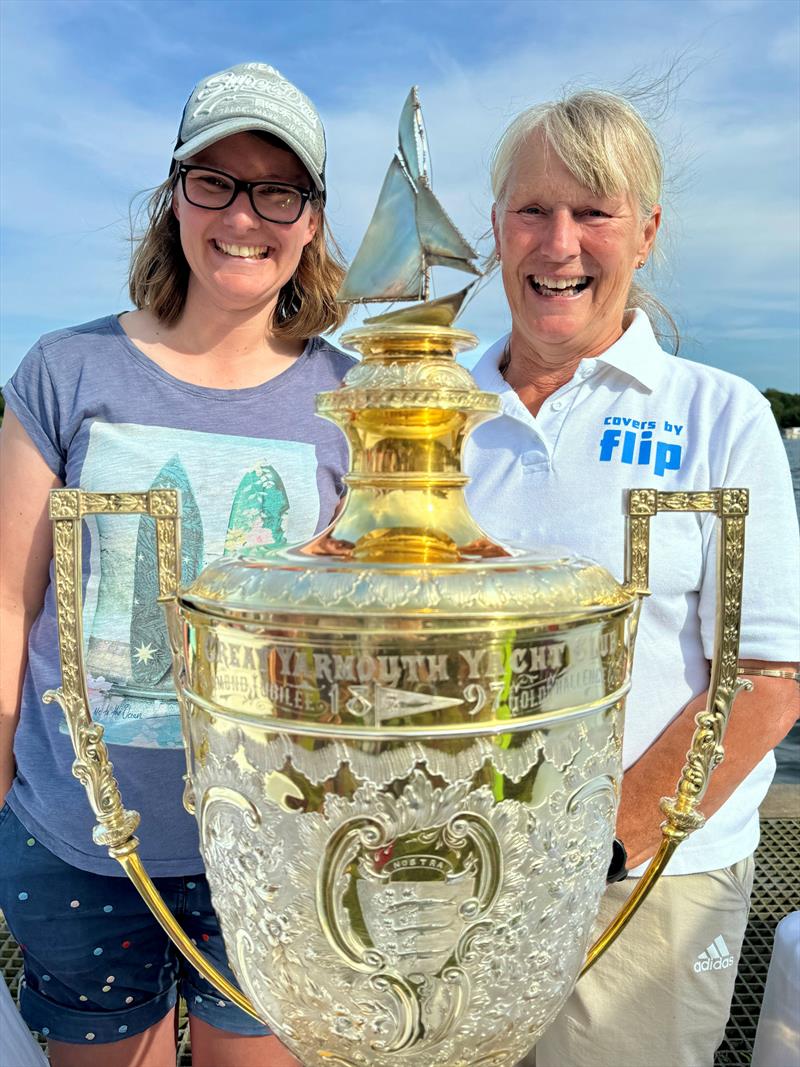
(208, 387)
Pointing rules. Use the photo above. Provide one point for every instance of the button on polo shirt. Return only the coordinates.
(637, 417)
(524, 438)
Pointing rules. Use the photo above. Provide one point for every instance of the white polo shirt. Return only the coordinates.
(637, 417)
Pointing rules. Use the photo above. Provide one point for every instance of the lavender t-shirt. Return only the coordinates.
(255, 467)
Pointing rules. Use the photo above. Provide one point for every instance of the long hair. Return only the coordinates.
(158, 278)
(608, 147)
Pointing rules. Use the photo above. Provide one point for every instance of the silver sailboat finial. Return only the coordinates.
(409, 233)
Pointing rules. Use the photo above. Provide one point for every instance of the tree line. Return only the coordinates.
(785, 407)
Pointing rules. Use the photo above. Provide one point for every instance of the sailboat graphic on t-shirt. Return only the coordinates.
(238, 494)
(258, 512)
(149, 648)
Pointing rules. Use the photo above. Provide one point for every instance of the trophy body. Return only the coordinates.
(407, 860)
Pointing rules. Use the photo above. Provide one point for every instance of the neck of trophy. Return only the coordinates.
(406, 410)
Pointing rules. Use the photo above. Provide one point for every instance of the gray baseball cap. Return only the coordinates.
(253, 96)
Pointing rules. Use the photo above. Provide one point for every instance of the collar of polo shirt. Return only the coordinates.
(636, 354)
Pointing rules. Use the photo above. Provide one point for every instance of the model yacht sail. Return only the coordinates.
(409, 233)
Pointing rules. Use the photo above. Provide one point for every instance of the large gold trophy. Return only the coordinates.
(403, 740)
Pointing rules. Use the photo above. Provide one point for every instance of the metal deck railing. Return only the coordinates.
(775, 894)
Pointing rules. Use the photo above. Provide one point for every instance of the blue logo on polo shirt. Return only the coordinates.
(631, 441)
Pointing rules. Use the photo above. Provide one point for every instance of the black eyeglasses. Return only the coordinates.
(216, 190)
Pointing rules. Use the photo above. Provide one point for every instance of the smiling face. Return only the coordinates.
(568, 257)
(239, 261)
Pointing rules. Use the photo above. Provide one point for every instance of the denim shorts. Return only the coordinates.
(98, 967)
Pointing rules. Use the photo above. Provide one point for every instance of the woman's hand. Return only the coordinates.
(27, 547)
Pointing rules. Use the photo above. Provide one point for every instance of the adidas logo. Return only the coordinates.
(717, 957)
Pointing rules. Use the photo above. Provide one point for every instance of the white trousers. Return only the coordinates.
(661, 995)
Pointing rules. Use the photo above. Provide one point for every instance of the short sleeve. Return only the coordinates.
(32, 396)
(770, 627)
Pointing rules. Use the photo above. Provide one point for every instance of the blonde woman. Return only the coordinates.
(208, 386)
(592, 406)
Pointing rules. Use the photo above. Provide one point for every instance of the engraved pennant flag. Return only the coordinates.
(387, 703)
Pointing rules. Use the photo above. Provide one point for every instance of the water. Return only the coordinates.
(788, 752)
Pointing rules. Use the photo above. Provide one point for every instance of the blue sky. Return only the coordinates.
(92, 91)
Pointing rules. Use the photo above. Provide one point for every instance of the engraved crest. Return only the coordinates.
(375, 925)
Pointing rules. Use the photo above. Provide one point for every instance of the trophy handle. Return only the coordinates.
(92, 767)
(706, 752)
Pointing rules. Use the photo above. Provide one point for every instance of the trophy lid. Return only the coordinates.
(529, 584)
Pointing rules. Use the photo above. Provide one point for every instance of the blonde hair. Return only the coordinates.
(607, 146)
(158, 278)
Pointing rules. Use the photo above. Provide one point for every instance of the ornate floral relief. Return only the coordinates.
(414, 374)
(383, 921)
(694, 501)
(65, 504)
(384, 763)
(417, 396)
(638, 569)
(735, 502)
(642, 502)
(322, 588)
